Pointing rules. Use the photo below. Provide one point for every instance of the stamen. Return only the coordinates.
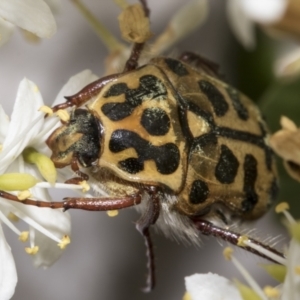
(122, 3)
(1, 147)
(23, 237)
(112, 213)
(63, 115)
(187, 296)
(252, 283)
(24, 195)
(64, 242)
(46, 109)
(59, 185)
(271, 292)
(32, 250)
(283, 207)
(36, 226)
(85, 186)
(12, 217)
(297, 270)
(107, 38)
(9, 224)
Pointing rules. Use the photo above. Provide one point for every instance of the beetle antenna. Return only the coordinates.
(132, 62)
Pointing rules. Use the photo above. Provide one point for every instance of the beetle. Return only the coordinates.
(173, 140)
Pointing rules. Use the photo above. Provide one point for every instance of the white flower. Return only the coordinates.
(210, 286)
(214, 287)
(243, 14)
(47, 227)
(34, 16)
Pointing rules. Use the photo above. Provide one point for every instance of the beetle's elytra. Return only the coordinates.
(172, 139)
(168, 125)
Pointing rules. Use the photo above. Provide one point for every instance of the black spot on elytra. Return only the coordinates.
(227, 166)
(237, 104)
(176, 66)
(215, 97)
(250, 176)
(155, 121)
(150, 88)
(199, 192)
(166, 157)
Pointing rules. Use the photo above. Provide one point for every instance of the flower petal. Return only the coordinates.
(211, 286)
(6, 30)
(32, 15)
(4, 123)
(75, 84)
(241, 25)
(266, 11)
(25, 119)
(8, 273)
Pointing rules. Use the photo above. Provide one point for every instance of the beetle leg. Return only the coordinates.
(91, 204)
(149, 218)
(207, 228)
(201, 63)
(75, 168)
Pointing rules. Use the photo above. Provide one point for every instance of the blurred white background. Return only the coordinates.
(106, 258)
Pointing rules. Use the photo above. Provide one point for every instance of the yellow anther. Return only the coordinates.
(24, 195)
(228, 253)
(282, 207)
(13, 217)
(23, 237)
(1, 147)
(32, 250)
(85, 186)
(36, 89)
(241, 241)
(187, 296)
(297, 270)
(271, 292)
(112, 213)
(64, 242)
(46, 109)
(63, 115)
(17, 181)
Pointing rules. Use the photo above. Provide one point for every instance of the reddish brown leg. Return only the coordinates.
(91, 204)
(149, 218)
(75, 168)
(208, 228)
(202, 63)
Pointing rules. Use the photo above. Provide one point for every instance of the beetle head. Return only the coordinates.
(80, 138)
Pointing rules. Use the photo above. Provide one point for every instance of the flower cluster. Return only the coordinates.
(213, 286)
